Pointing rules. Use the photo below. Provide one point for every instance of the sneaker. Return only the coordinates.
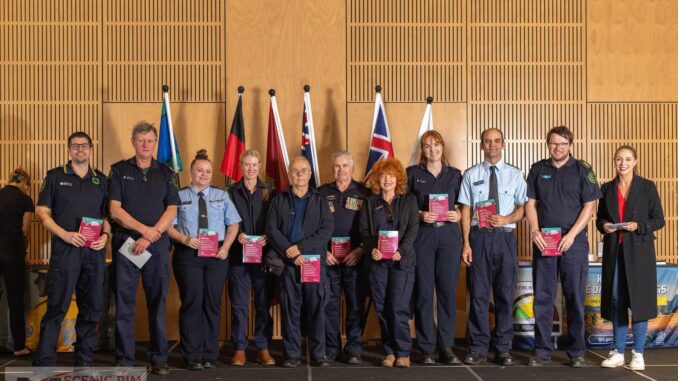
(637, 361)
(613, 360)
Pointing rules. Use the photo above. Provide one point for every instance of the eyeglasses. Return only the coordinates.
(299, 172)
(558, 145)
(83, 146)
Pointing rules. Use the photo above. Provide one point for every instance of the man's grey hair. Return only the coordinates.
(342, 153)
(144, 127)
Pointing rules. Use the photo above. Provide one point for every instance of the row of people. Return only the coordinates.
(143, 201)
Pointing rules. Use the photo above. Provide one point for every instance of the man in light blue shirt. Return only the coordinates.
(490, 246)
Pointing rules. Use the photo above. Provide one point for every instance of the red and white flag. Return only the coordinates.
(276, 150)
(426, 125)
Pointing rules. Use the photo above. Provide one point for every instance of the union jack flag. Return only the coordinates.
(381, 146)
(308, 147)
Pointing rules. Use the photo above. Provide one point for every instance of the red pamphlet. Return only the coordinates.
(440, 205)
(552, 238)
(252, 250)
(485, 209)
(90, 228)
(341, 247)
(388, 243)
(310, 270)
(209, 243)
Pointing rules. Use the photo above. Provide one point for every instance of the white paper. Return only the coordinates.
(139, 260)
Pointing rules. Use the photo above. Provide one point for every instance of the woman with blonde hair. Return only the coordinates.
(391, 212)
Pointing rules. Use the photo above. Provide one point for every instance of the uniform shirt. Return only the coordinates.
(13, 205)
(71, 197)
(144, 196)
(386, 216)
(422, 183)
(561, 192)
(297, 217)
(220, 211)
(511, 186)
(345, 207)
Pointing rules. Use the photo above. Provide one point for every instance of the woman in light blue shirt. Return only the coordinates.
(201, 279)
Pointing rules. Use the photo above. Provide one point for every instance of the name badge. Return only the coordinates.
(546, 176)
(479, 183)
(332, 209)
(128, 178)
(66, 184)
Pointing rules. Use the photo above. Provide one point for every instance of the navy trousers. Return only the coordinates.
(573, 268)
(438, 260)
(242, 278)
(493, 270)
(201, 284)
(293, 294)
(391, 292)
(155, 281)
(352, 280)
(79, 270)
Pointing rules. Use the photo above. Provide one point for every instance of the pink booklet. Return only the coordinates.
(252, 250)
(552, 237)
(440, 205)
(310, 270)
(388, 243)
(209, 243)
(341, 247)
(90, 228)
(485, 209)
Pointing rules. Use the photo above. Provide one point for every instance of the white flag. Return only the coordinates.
(426, 125)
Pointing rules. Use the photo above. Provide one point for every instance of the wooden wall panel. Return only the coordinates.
(148, 43)
(526, 75)
(632, 50)
(49, 81)
(413, 48)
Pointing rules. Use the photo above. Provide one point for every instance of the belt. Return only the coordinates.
(437, 224)
(494, 230)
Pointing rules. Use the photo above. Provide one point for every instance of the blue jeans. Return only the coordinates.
(620, 311)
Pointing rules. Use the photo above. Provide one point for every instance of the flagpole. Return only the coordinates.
(377, 103)
(311, 131)
(426, 125)
(165, 99)
(278, 127)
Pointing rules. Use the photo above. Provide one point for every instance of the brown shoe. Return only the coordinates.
(402, 362)
(265, 358)
(238, 358)
(388, 361)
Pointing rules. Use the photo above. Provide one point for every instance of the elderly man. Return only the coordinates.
(300, 224)
(143, 200)
(345, 264)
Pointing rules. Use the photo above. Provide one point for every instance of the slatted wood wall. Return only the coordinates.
(602, 67)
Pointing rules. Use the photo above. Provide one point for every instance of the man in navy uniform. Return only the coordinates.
(562, 193)
(345, 197)
(143, 203)
(490, 252)
(70, 193)
(299, 223)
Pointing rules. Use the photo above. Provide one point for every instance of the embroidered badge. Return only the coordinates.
(128, 178)
(95, 181)
(592, 177)
(175, 181)
(66, 184)
(353, 203)
(332, 209)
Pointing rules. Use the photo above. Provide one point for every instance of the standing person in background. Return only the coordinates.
(346, 197)
(252, 198)
(390, 209)
(16, 209)
(201, 280)
(438, 249)
(69, 194)
(628, 216)
(490, 252)
(562, 194)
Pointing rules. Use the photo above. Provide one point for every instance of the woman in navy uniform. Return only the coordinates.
(201, 279)
(438, 248)
(629, 260)
(390, 208)
(17, 209)
(252, 198)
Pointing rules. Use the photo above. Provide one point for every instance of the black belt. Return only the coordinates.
(437, 224)
(494, 230)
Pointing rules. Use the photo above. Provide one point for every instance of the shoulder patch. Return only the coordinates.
(96, 180)
(175, 180)
(585, 164)
(592, 177)
(42, 186)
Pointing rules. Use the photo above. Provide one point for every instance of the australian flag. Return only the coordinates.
(308, 147)
(381, 146)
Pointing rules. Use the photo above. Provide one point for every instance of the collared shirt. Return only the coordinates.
(475, 187)
(561, 192)
(386, 216)
(144, 196)
(220, 211)
(71, 197)
(345, 207)
(297, 217)
(422, 183)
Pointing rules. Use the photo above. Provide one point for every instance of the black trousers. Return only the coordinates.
(13, 270)
(201, 282)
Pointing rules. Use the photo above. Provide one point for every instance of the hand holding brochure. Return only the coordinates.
(388, 243)
(439, 204)
(208, 243)
(310, 270)
(139, 260)
(552, 238)
(485, 209)
(90, 228)
(341, 247)
(252, 250)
